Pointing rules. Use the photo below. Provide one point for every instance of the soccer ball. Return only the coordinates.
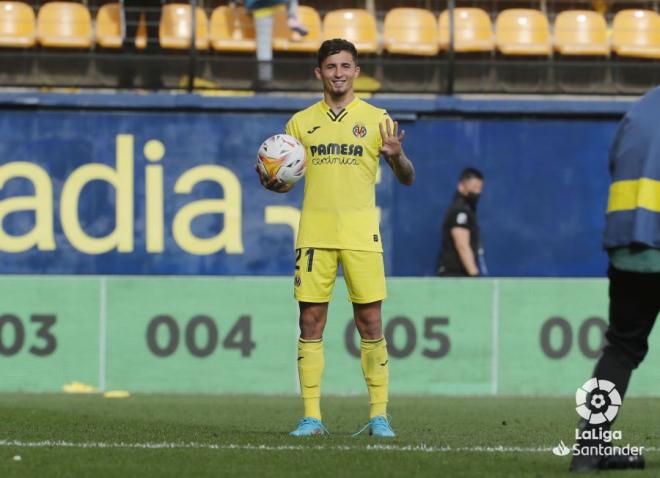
(283, 157)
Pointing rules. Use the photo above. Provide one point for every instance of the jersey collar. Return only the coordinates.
(343, 113)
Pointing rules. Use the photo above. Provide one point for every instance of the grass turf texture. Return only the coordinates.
(250, 420)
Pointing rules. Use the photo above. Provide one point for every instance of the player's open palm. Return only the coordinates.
(389, 132)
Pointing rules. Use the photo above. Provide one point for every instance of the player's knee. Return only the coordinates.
(368, 320)
(369, 326)
(312, 322)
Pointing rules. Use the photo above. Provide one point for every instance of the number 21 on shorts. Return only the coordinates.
(309, 253)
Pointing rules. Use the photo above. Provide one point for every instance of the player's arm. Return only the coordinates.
(392, 151)
(461, 238)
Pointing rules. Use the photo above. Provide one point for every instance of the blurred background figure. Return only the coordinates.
(132, 11)
(461, 253)
(632, 240)
(293, 22)
(262, 11)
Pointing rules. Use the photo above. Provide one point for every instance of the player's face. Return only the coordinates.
(337, 73)
(472, 186)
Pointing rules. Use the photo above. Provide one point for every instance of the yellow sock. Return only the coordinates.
(310, 370)
(376, 373)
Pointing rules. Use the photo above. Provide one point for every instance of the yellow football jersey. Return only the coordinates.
(339, 205)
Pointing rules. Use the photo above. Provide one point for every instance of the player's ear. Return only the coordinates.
(317, 72)
(357, 71)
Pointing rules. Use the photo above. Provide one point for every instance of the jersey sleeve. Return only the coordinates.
(292, 129)
(460, 217)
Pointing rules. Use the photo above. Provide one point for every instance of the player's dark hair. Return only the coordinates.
(470, 173)
(334, 46)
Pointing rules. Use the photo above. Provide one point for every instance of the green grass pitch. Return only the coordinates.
(210, 436)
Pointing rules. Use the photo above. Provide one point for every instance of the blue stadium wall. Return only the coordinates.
(541, 214)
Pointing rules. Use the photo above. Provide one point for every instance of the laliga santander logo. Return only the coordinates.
(561, 449)
(597, 401)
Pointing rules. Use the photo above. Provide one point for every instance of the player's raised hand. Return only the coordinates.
(391, 138)
(272, 184)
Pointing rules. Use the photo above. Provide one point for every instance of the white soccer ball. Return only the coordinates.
(283, 157)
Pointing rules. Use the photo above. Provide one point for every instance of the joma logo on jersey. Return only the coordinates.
(335, 148)
(359, 130)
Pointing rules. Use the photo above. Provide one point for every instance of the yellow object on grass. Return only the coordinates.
(79, 387)
(116, 394)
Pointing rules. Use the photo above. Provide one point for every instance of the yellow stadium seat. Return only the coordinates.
(175, 30)
(636, 33)
(410, 31)
(581, 32)
(232, 29)
(522, 31)
(355, 25)
(17, 25)
(109, 28)
(286, 40)
(473, 30)
(64, 25)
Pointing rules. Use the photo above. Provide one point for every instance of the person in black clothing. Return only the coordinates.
(632, 240)
(461, 248)
(132, 10)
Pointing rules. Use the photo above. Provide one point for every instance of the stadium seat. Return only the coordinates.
(176, 30)
(286, 40)
(355, 25)
(522, 32)
(636, 33)
(232, 30)
(473, 30)
(17, 25)
(581, 33)
(410, 31)
(109, 28)
(64, 25)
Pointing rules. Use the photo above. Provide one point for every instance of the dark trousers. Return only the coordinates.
(634, 307)
(132, 11)
(151, 69)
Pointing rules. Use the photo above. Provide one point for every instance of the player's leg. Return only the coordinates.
(365, 279)
(316, 270)
(634, 306)
(373, 354)
(293, 22)
(263, 24)
(311, 361)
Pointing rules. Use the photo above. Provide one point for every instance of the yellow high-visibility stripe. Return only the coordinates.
(633, 194)
(266, 11)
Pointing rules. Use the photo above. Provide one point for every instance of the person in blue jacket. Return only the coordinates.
(632, 240)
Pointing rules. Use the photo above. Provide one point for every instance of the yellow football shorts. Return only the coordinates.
(316, 271)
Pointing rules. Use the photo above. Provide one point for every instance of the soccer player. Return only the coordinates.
(343, 137)
(632, 240)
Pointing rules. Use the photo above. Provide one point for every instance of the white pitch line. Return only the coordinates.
(233, 446)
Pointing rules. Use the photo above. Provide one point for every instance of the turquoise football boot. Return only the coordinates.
(378, 427)
(309, 427)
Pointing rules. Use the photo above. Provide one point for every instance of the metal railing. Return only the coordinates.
(452, 70)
